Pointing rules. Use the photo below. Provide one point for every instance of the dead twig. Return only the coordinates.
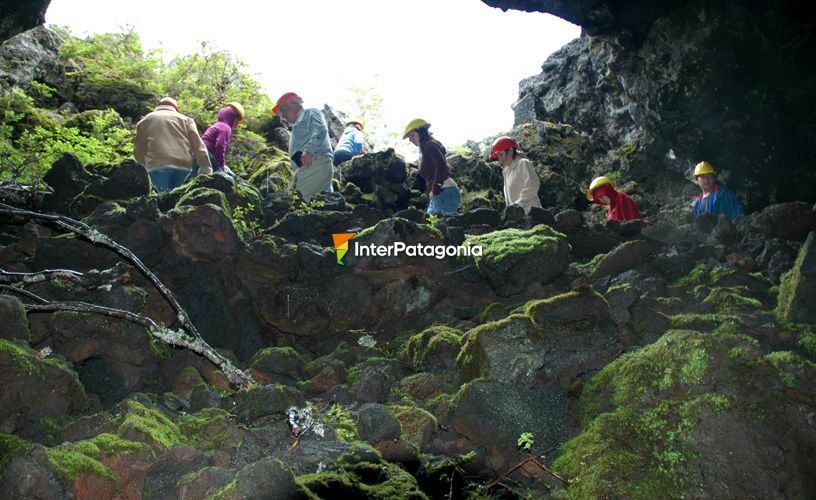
(38, 277)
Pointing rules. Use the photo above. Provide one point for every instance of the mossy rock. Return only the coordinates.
(550, 341)
(270, 170)
(266, 400)
(36, 388)
(434, 349)
(796, 302)
(514, 259)
(148, 425)
(416, 424)
(691, 415)
(201, 196)
(361, 480)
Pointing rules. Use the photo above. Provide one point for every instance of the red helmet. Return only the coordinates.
(282, 99)
(503, 143)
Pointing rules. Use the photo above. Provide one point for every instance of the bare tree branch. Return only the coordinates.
(38, 277)
(194, 341)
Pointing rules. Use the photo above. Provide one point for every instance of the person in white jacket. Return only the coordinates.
(521, 181)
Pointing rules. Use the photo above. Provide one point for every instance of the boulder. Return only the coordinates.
(494, 415)
(267, 478)
(549, 342)
(514, 259)
(35, 387)
(797, 291)
(13, 318)
(375, 423)
(163, 476)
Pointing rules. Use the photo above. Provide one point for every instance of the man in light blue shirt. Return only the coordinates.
(350, 143)
(309, 146)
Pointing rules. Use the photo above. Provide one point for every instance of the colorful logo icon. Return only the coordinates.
(341, 245)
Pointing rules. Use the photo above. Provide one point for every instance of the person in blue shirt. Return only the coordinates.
(350, 143)
(714, 199)
(309, 146)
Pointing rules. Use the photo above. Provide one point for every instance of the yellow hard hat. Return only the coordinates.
(703, 168)
(413, 125)
(356, 122)
(240, 109)
(598, 182)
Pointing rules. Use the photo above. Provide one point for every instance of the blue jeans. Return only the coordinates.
(167, 178)
(216, 166)
(446, 202)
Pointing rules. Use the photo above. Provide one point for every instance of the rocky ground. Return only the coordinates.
(669, 360)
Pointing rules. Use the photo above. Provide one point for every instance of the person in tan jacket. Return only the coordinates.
(165, 144)
(521, 181)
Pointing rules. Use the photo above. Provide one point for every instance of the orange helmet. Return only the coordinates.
(168, 101)
(282, 99)
(503, 143)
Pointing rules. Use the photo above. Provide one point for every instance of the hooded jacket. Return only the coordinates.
(621, 206)
(218, 137)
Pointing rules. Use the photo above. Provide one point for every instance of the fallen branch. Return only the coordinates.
(193, 341)
(38, 277)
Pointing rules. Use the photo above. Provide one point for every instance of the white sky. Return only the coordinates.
(455, 63)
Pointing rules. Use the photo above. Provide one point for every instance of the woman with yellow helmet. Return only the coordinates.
(604, 191)
(218, 137)
(433, 168)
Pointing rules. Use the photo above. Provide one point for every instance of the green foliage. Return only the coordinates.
(103, 58)
(339, 417)
(242, 218)
(203, 83)
(29, 145)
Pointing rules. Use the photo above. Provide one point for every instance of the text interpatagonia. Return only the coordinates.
(417, 250)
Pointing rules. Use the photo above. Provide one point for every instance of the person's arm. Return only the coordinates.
(198, 147)
(140, 145)
(728, 204)
(221, 143)
(434, 158)
(529, 189)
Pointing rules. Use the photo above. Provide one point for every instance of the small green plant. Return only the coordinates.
(525, 441)
(246, 225)
(433, 220)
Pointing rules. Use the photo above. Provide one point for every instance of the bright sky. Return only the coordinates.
(455, 63)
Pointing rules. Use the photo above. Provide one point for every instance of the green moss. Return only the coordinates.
(703, 274)
(498, 246)
(354, 373)
(209, 429)
(729, 300)
(589, 267)
(421, 347)
(788, 365)
(25, 360)
(157, 429)
(203, 195)
(70, 461)
(639, 416)
(472, 359)
(707, 322)
(339, 417)
(362, 480)
(806, 338)
(9, 444)
(417, 424)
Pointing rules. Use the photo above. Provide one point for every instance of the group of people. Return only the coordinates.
(168, 145)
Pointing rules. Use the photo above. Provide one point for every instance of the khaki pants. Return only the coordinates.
(314, 179)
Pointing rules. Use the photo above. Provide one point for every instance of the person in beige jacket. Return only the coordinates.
(165, 144)
(521, 181)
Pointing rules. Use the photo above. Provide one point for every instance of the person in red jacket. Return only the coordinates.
(603, 191)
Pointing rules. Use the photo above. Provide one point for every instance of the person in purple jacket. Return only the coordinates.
(217, 138)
